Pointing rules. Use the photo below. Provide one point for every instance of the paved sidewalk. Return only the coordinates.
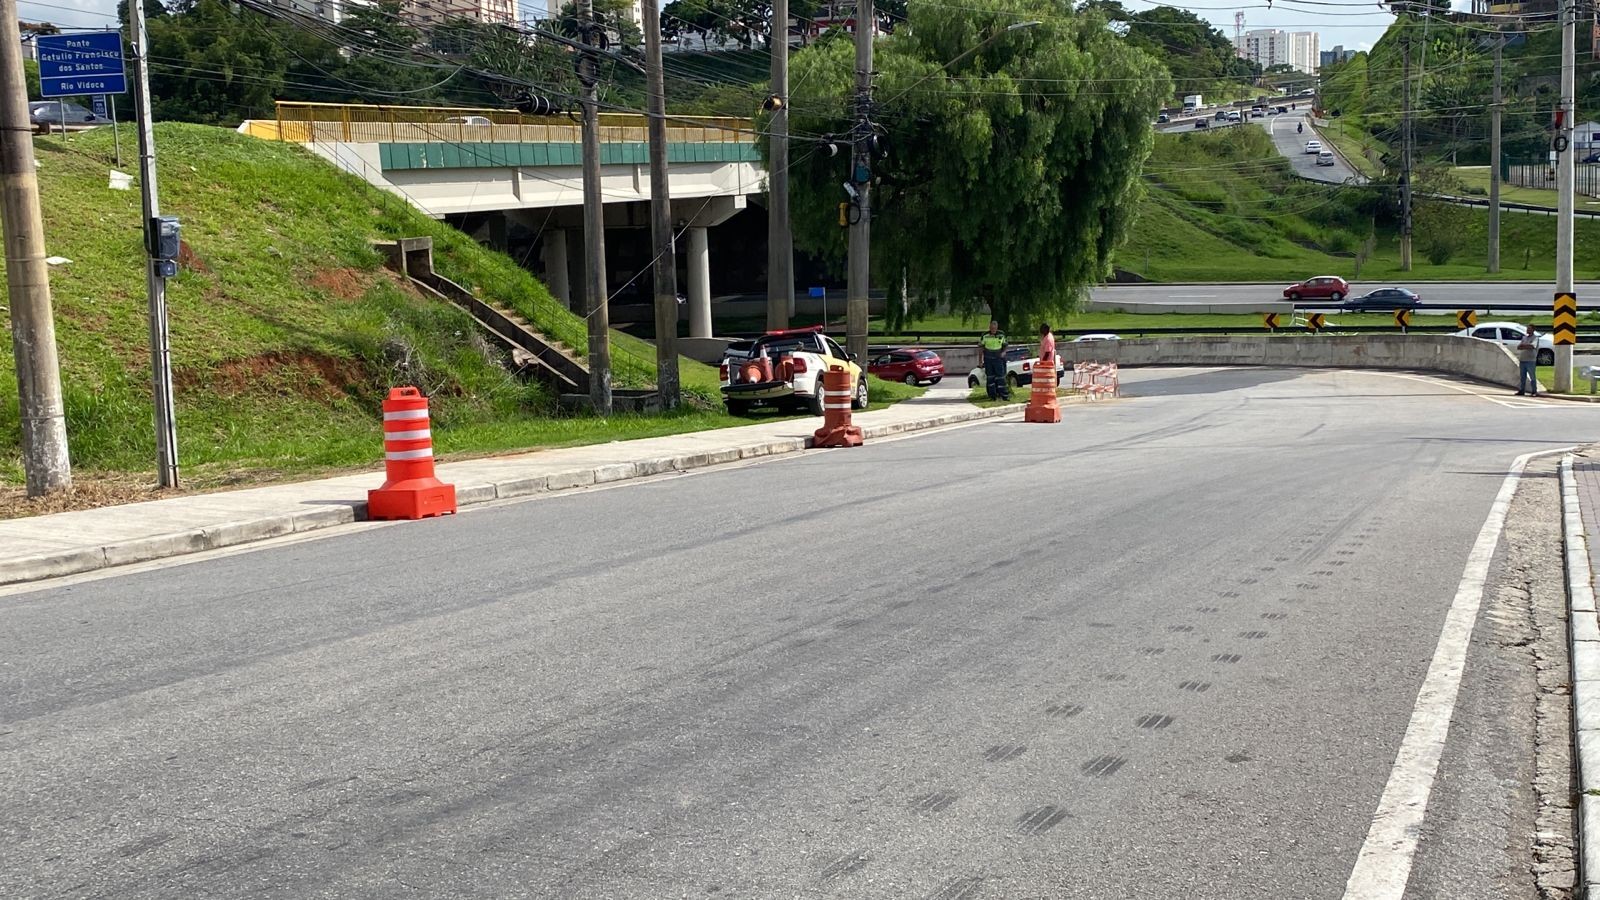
(1580, 490)
(81, 541)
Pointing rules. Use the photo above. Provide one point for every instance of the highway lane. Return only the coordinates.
(1475, 294)
(1166, 649)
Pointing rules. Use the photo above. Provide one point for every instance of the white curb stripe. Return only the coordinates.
(1584, 659)
(407, 435)
(408, 454)
(1384, 864)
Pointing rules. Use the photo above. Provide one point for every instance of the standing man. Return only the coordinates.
(1528, 364)
(994, 363)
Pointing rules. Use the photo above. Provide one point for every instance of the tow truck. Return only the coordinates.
(784, 368)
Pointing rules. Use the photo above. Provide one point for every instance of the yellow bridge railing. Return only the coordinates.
(306, 123)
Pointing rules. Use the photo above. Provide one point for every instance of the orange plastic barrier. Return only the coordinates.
(1096, 380)
(411, 491)
(836, 430)
(1042, 403)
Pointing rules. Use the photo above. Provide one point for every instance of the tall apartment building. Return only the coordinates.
(1337, 55)
(635, 12)
(1268, 47)
(434, 12)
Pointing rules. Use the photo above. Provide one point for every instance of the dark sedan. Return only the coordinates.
(1382, 299)
(48, 116)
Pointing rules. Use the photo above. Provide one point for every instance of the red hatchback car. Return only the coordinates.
(908, 364)
(1322, 287)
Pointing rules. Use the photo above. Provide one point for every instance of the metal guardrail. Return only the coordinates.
(913, 338)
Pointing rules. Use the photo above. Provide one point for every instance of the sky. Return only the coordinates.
(1355, 25)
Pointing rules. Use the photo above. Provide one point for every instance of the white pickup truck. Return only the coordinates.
(784, 368)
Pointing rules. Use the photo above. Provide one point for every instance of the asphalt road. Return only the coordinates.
(1475, 294)
(1166, 649)
(1292, 144)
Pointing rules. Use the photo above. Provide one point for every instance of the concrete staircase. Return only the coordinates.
(535, 355)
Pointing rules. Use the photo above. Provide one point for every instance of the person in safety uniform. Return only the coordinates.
(994, 363)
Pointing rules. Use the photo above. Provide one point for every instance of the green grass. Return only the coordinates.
(286, 330)
(1356, 146)
(1475, 181)
(1223, 206)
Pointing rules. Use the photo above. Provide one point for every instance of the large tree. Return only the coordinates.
(1013, 159)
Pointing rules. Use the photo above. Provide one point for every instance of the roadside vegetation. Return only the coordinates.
(286, 329)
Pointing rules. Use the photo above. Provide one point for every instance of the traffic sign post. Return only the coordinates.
(1270, 321)
(1466, 318)
(1565, 332)
(1402, 318)
(80, 64)
(1315, 322)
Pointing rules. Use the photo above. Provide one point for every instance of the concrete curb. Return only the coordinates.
(78, 560)
(1584, 644)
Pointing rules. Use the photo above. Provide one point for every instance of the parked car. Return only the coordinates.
(1104, 336)
(784, 368)
(1383, 298)
(1322, 287)
(1313, 146)
(908, 364)
(1325, 158)
(1591, 158)
(50, 115)
(1020, 361)
(1510, 334)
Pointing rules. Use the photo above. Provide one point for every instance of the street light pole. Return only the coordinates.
(856, 299)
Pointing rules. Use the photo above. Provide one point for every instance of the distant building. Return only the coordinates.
(436, 12)
(1514, 7)
(1268, 47)
(1586, 138)
(1337, 55)
(334, 11)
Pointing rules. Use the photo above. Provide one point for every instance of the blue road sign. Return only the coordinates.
(89, 62)
(819, 292)
(99, 107)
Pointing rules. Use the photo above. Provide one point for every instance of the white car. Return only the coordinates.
(477, 121)
(1233, 115)
(1019, 368)
(1510, 334)
(1105, 336)
(1313, 146)
(1325, 158)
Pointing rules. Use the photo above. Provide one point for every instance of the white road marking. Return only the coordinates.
(1384, 864)
(1507, 402)
(1192, 297)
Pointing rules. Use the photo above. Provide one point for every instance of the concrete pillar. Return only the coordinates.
(699, 264)
(555, 265)
(499, 232)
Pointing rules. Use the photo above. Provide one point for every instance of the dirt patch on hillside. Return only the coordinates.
(342, 284)
(315, 375)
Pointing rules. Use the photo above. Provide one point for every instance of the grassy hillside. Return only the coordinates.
(286, 330)
(1224, 206)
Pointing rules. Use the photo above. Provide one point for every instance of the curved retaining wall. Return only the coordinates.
(1467, 357)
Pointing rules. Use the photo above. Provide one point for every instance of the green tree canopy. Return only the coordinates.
(1014, 155)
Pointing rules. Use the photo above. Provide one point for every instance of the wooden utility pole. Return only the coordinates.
(780, 240)
(594, 223)
(45, 463)
(666, 254)
(860, 265)
(1494, 164)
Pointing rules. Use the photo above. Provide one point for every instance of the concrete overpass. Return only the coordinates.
(500, 170)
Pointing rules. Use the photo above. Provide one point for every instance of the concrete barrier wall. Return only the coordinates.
(1467, 357)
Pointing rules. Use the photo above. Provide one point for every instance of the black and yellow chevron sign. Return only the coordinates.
(1270, 320)
(1566, 320)
(1402, 317)
(1466, 318)
(1314, 321)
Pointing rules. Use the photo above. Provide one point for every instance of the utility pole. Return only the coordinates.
(156, 284)
(666, 258)
(594, 223)
(1494, 164)
(780, 241)
(45, 463)
(861, 185)
(1405, 143)
(1565, 172)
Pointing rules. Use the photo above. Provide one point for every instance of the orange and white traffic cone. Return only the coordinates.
(411, 491)
(836, 430)
(1042, 403)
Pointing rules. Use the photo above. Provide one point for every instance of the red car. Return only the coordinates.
(908, 364)
(1322, 287)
